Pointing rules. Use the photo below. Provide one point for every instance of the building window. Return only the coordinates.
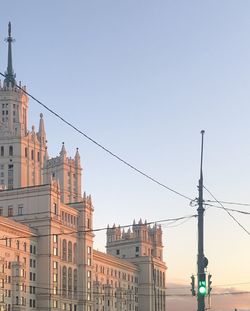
(64, 281)
(70, 251)
(70, 280)
(55, 238)
(88, 223)
(64, 250)
(75, 283)
(55, 277)
(89, 250)
(74, 252)
(2, 151)
(55, 304)
(11, 151)
(10, 211)
(88, 285)
(26, 152)
(10, 176)
(54, 208)
(55, 251)
(55, 290)
(32, 154)
(20, 209)
(38, 156)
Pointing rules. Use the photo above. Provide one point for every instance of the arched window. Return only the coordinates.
(64, 250)
(75, 283)
(70, 281)
(64, 281)
(70, 251)
(74, 253)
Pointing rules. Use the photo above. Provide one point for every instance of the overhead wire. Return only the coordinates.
(214, 286)
(99, 144)
(229, 209)
(100, 229)
(126, 294)
(223, 207)
(230, 203)
(176, 225)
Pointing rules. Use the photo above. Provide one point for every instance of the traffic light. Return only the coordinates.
(193, 285)
(209, 282)
(202, 289)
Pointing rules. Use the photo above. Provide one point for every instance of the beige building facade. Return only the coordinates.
(18, 266)
(47, 259)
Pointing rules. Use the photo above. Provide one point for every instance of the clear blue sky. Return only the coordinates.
(143, 78)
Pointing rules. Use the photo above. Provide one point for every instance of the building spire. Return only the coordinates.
(41, 132)
(10, 75)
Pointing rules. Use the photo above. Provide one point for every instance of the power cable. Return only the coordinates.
(227, 211)
(176, 225)
(126, 294)
(99, 229)
(98, 144)
(231, 203)
(218, 285)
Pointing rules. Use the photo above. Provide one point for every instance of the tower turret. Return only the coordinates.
(22, 151)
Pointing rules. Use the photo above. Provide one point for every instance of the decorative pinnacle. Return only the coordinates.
(9, 74)
(9, 29)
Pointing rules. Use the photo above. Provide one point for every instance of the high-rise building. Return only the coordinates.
(47, 260)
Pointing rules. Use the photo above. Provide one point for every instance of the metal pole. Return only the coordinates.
(200, 210)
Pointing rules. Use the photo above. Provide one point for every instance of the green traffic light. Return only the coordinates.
(202, 288)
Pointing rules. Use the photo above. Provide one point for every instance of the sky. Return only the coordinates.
(143, 78)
